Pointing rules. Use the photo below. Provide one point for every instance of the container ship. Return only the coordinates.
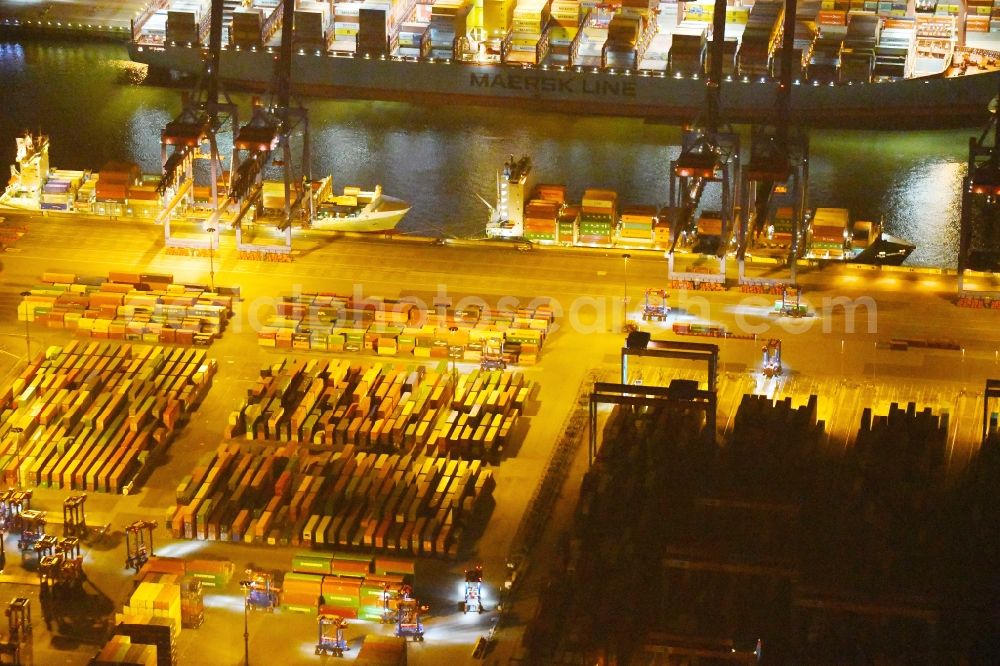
(855, 61)
(539, 213)
(357, 210)
(119, 189)
(833, 235)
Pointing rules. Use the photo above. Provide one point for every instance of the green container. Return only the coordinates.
(342, 600)
(304, 577)
(296, 608)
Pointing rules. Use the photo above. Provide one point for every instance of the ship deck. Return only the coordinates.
(94, 18)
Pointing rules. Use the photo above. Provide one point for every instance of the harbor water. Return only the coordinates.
(95, 106)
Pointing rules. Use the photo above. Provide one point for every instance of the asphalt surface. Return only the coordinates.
(847, 364)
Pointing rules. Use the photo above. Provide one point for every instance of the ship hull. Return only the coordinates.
(887, 250)
(385, 217)
(652, 96)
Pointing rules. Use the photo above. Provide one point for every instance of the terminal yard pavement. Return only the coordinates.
(847, 368)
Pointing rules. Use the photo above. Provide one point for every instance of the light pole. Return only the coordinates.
(211, 257)
(245, 584)
(27, 328)
(453, 354)
(625, 258)
(17, 430)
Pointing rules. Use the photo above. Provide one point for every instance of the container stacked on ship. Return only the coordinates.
(564, 25)
(598, 216)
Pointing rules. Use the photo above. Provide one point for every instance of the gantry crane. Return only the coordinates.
(268, 133)
(771, 358)
(779, 161)
(45, 545)
(12, 504)
(259, 590)
(408, 622)
(391, 594)
(492, 354)
(63, 569)
(980, 230)
(331, 641)
(204, 115)
(139, 543)
(473, 590)
(16, 646)
(32, 528)
(710, 153)
(655, 306)
(74, 518)
(791, 304)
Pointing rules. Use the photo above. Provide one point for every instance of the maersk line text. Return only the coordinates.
(572, 85)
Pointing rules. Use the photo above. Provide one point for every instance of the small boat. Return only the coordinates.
(359, 210)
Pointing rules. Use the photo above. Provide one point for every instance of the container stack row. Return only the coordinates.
(621, 47)
(781, 229)
(687, 49)
(380, 408)
(528, 37)
(379, 650)
(775, 437)
(114, 181)
(646, 12)
(187, 21)
(542, 213)
(590, 45)
(637, 224)
(312, 26)
(120, 651)
(598, 216)
(760, 37)
(214, 574)
(144, 199)
(662, 233)
(152, 617)
(618, 517)
(414, 40)
(704, 11)
(879, 521)
(327, 322)
(568, 225)
(154, 30)
(564, 25)
(346, 17)
(246, 29)
(828, 232)
(379, 25)
(449, 22)
(497, 17)
(982, 24)
(89, 416)
(824, 60)
(60, 190)
(128, 306)
(896, 50)
(359, 594)
(540, 220)
(857, 59)
(344, 500)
